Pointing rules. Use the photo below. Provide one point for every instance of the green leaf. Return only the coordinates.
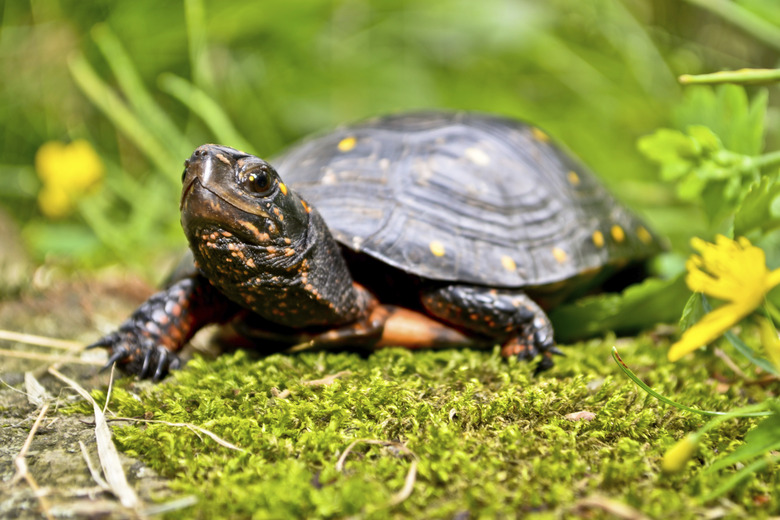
(727, 112)
(691, 186)
(713, 198)
(759, 208)
(639, 306)
(667, 147)
(693, 311)
(765, 437)
(741, 347)
(705, 137)
(752, 135)
(733, 104)
(738, 477)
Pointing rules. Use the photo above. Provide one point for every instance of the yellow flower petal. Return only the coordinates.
(74, 167)
(678, 455)
(54, 202)
(730, 270)
(708, 329)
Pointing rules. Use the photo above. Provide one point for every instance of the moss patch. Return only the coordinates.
(491, 439)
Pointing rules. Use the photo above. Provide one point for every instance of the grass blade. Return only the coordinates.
(195, 16)
(137, 94)
(748, 411)
(121, 116)
(207, 109)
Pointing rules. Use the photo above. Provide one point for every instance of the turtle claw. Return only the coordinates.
(137, 354)
(554, 350)
(119, 354)
(545, 363)
(168, 361)
(101, 343)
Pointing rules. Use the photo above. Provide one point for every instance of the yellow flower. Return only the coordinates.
(678, 455)
(67, 171)
(733, 271)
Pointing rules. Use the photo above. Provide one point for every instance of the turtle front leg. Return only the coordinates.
(146, 343)
(510, 317)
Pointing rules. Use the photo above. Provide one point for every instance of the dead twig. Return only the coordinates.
(22, 471)
(40, 341)
(411, 475)
(52, 358)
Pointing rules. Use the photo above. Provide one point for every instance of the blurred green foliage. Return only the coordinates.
(145, 82)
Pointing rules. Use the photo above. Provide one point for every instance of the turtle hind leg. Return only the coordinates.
(510, 317)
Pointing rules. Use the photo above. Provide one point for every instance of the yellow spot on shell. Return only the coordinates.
(477, 156)
(574, 179)
(347, 144)
(644, 235)
(508, 263)
(283, 188)
(617, 233)
(598, 239)
(437, 248)
(559, 254)
(539, 135)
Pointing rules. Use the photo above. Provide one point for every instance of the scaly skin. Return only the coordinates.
(260, 250)
(147, 342)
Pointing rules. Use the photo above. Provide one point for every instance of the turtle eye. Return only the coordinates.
(258, 182)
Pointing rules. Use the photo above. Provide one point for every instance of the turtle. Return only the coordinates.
(429, 229)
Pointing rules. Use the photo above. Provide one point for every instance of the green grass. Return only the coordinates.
(490, 438)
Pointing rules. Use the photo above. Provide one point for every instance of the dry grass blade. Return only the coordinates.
(730, 363)
(51, 358)
(411, 475)
(109, 457)
(41, 341)
(327, 380)
(21, 465)
(212, 435)
(172, 505)
(92, 469)
(36, 393)
(613, 508)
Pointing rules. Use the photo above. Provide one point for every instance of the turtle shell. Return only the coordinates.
(464, 197)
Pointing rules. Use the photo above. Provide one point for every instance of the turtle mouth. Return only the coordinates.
(187, 188)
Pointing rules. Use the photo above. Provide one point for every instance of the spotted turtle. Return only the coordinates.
(423, 230)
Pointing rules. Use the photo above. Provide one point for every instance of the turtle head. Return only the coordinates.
(260, 244)
(239, 216)
(241, 194)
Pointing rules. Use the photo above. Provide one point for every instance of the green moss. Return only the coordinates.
(490, 438)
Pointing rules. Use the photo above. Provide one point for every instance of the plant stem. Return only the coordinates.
(768, 159)
(757, 410)
(739, 77)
